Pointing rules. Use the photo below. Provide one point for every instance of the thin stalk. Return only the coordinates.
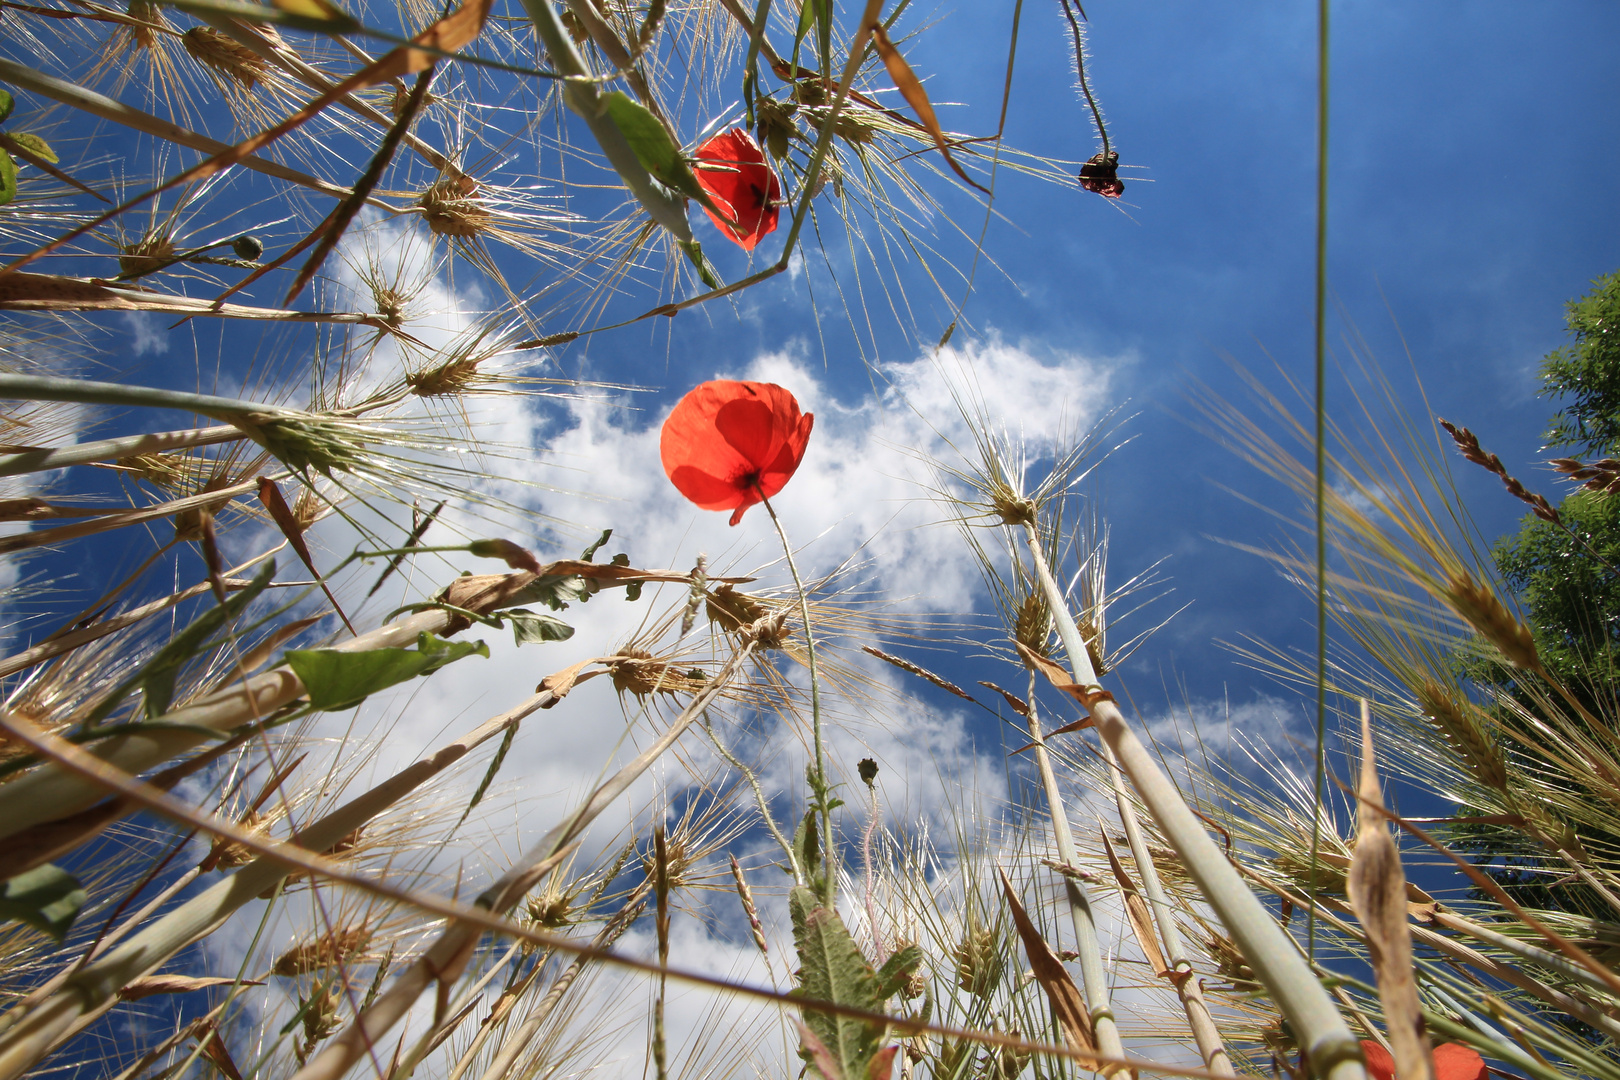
(1333, 1052)
(90, 392)
(764, 806)
(60, 457)
(660, 1048)
(815, 704)
(1320, 493)
(53, 791)
(1092, 972)
(1205, 1033)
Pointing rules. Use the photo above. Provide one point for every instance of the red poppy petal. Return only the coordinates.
(1453, 1061)
(706, 491)
(732, 170)
(750, 427)
(1380, 1066)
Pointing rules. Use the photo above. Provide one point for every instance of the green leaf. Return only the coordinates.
(590, 553)
(694, 252)
(156, 679)
(47, 898)
(8, 178)
(807, 845)
(831, 968)
(632, 590)
(553, 591)
(529, 627)
(653, 147)
(36, 146)
(341, 680)
(7, 103)
(897, 970)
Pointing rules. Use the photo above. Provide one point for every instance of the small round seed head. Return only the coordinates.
(248, 248)
(212, 48)
(553, 909)
(451, 207)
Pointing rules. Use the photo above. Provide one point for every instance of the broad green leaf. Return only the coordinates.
(831, 968)
(341, 680)
(47, 898)
(694, 252)
(554, 592)
(653, 147)
(529, 626)
(7, 103)
(36, 146)
(8, 178)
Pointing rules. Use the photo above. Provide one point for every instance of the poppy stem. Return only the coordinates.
(820, 781)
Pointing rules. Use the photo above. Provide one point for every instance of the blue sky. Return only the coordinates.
(1472, 168)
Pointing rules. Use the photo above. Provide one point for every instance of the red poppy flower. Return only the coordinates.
(730, 444)
(1452, 1061)
(731, 168)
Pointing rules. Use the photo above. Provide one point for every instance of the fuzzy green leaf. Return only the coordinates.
(831, 968)
(653, 147)
(8, 178)
(47, 898)
(896, 971)
(531, 627)
(36, 146)
(341, 680)
(7, 103)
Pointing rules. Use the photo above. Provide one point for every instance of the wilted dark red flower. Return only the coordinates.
(729, 444)
(732, 169)
(1100, 173)
(1452, 1061)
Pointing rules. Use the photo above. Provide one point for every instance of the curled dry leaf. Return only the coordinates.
(561, 682)
(1377, 887)
(1061, 992)
(1137, 909)
(910, 87)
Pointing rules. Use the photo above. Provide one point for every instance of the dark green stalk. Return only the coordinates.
(1321, 456)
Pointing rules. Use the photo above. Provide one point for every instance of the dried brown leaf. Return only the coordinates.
(1377, 888)
(911, 88)
(1061, 992)
(1137, 909)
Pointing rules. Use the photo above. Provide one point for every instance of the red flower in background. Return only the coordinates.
(729, 444)
(1452, 1061)
(731, 168)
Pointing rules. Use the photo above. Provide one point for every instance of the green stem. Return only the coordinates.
(815, 704)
